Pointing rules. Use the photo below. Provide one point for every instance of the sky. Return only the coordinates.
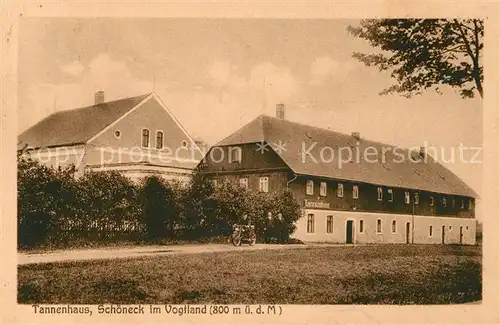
(216, 75)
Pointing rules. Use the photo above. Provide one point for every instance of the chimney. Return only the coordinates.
(99, 97)
(280, 111)
(356, 135)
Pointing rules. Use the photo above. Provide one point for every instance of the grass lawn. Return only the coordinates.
(385, 274)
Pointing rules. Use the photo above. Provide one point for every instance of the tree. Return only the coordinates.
(153, 199)
(425, 53)
(200, 205)
(44, 196)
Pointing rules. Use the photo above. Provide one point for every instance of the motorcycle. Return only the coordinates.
(243, 233)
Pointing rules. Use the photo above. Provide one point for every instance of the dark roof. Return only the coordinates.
(77, 125)
(298, 138)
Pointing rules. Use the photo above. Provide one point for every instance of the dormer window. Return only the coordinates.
(145, 138)
(390, 194)
(234, 154)
(118, 134)
(159, 140)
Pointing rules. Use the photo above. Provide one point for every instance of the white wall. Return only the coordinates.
(419, 227)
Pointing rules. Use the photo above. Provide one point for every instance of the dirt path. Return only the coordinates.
(139, 251)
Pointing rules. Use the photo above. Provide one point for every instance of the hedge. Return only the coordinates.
(57, 209)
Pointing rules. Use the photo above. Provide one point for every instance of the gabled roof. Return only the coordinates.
(76, 126)
(297, 139)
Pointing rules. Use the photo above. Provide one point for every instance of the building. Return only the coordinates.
(351, 190)
(137, 136)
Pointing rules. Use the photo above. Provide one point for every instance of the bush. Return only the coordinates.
(44, 195)
(162, 205)
(233, 202)
(57, 209)
(200, 205)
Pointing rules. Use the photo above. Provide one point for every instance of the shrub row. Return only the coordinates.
(57, 209)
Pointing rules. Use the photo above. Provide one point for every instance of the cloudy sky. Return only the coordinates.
(216, 75)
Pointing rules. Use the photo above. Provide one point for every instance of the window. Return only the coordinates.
(449, 228)
(466, 227)
(394, 226)
(417, 197)
(310, 223)
(444, 201)
(184, 143)
(379, 193)
(430, 231)
(118, 134)
(462, 204)
(391, 195)
(431, 201)
(379, 226)
(329, 224)
(264, 184)
(159, 140)
(355, 192)
(234, 154)
(340, 190)
(214, 182)
(470, 204)
(407, 197)
(309, 187)
(244, 182)
(361, 226)
(322, 189)
(145, 138)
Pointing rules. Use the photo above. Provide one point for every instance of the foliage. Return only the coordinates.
(108, 192)
(234, 201)
(57, 209)
(43, 195)
(161, 204)
(199, 203)
(425, 53)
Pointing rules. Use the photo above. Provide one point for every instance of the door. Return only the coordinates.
(461, 234)
(349, 232)
(443, 229)
(407, 232)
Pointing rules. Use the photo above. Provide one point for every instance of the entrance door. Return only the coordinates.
(407, 232)
(443, 229)
(461, 234)
(349, 232)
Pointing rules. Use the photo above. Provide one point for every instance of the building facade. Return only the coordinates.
(136, 136)
(351, 190)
